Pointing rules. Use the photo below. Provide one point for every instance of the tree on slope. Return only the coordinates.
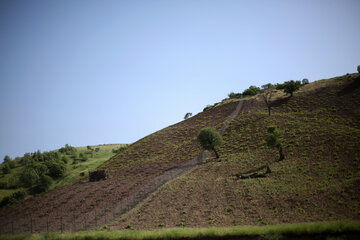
(267, 98)
(209, 139)
(274, 141)
(291, 86)
(187, 115)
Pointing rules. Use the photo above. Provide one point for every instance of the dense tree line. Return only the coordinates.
(39, 170)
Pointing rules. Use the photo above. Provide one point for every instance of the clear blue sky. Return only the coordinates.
(95, 72)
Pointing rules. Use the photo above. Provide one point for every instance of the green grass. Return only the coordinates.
(73, 170)
(98, 158)
(264, 232)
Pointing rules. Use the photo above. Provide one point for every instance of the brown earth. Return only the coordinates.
(135, 173)
(318, 180)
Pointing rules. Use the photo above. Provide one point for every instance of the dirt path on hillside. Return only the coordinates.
(130, 202)
(97, 217)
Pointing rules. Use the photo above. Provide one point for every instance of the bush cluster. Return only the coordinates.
(120, 149)
(13, 198)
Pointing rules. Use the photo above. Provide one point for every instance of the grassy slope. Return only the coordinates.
(73, 171)
(318, 180)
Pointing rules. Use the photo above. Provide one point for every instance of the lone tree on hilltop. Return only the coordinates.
(291, 86)
(267, 98)
(187, 115)
(358, 68)
(274, 141)
(209, 139)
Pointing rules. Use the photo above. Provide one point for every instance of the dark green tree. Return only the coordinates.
(274, 141)
(233, 95)
(7, 159)
(6, 168)
(305, 81)
(187, 115)
(267, 86)
(56, 169)
(43, 184)
(291, 86)
(29, 177)
(251, 91)
(210, 139)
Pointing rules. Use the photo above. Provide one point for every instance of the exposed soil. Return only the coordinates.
(135, 173)
(317, 181)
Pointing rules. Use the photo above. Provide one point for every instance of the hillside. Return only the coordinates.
(317, 181)
(90, 203)
(95, 156)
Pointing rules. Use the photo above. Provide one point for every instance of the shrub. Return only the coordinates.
(56, 170)
(69, 150)
(267, 86)
(251, 91)
(6, 168)
(120, 149)
(233, 95)
(65, 159)
(305, 81)
(29, 177)
(209, 139)
(8, 160)
(43, 184)
(13, 182)
(13, 198)
(274, 141)
(97, 149)
(83, 157)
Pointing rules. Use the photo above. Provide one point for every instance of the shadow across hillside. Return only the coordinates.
(351, 87)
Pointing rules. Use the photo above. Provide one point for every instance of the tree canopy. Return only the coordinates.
(210, 139)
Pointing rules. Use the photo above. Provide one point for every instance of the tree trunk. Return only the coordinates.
(281, 154)
(269, 109)
(216, 153)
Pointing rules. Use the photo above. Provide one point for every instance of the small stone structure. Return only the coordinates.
(99, 174)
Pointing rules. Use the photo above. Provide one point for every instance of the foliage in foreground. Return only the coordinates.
(264, 232)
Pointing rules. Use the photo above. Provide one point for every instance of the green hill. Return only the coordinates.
(95, 156)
